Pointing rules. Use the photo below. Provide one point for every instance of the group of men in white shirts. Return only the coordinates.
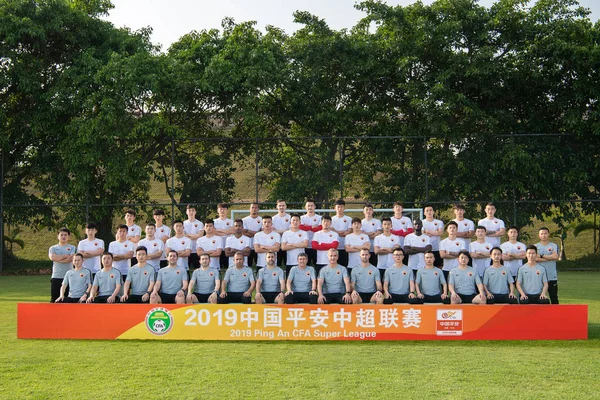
(383, 246)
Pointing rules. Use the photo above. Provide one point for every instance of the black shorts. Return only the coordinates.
(435, 299)
(535, 299)
(400, 298)
(439, 261)
(235, 297)
(103, 300)
(501, 299)
(202, 297)
(301, 297)
(366, 297)
(269, 296)
(466, 298)
(334, 298)
(193, 261)
(343, 258)
(167, 298)
(318, 268)
(312, 256)
(136, 299)
(70, 300)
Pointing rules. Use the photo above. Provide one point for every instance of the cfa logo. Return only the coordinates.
(159, 321)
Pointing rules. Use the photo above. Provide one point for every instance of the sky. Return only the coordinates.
(171, 19)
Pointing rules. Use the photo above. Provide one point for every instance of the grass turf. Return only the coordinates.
(451, 370)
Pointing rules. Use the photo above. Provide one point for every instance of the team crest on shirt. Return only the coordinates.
(307, 273)
(337, 272)
(373, 223)
(458, 244)
(518, 247)
(487, 247)
(183, 242)
(470, 274)
(435, 223)
(177, 272)
(286, 220)
(403, 223)
(271, 237)
(344, 220)
(227, 223)
(362, 238)
(537, 272)
(195, 225)
(314, 220)
(330, 235)
(210, 274)
(370, 272)
(274, 273)
(95, 243)
(241, 241)
(423, 240)
(155, 244)
(124, 245)
(162, 231)
(213, 242)
(244, 274)
(299, 235)
(465, 224)
(81, 275)
(112, 276)
(403, 272)
(68, 249)
(392, 239)
(131, 229)
(550, 249)
(145, 272)
(503, 272)
(435, 273)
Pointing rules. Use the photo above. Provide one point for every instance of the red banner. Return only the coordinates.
(302, 322)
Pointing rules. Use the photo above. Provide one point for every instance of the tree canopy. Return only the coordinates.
(90, 113)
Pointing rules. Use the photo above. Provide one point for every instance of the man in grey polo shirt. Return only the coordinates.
(204, 284)
(107, 282)
(366, 281)
(238, 284)
(269, 282)
(498, 281)
(171, 282)
(465, 283)
(333, 281)
(532, 281)
(140, 279)
(78, 280)
(301, 283)
(431, 283)
(398, 282)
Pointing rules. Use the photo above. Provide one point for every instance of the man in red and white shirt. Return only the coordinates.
(237, 243)
(266, 241)
(324, 240)
(224, 229)
(252, 225)
(310, 223)
(294, 242)
(371, 227)
(210, 244)
(401, 225)
(342, 225)
(355, 242)
(385, 244)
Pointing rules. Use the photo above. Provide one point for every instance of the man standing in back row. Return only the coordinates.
(547, 256)
(494, 227)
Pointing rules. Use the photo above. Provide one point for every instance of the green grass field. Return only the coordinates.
(298, 370)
